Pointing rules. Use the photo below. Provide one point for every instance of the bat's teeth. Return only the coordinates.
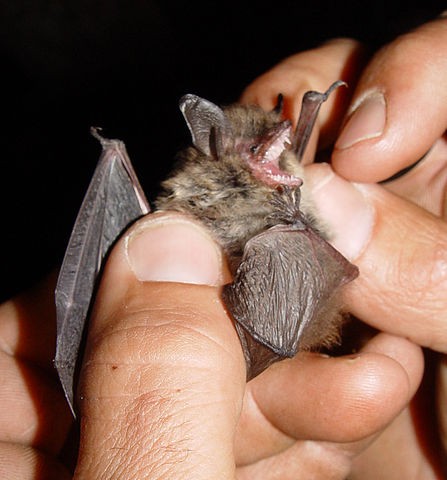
(287, 180)
(266, 169)
(272, 175)
(277, 147)
(274, 152)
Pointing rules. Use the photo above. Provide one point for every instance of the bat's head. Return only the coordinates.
(247, 136)
(241, 158)
(258, 141)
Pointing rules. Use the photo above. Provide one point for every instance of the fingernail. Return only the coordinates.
(344, 208)
(366, 122)
(171, 248)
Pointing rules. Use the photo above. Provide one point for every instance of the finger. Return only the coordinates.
(425, 183)
(316, 69)
(18, 462)
(312, 397)
(34, 411)
(304, 460)
(28, 325)
(417, 424)
(164, 374)
(398, 109)
(401, 251)
(381, 461)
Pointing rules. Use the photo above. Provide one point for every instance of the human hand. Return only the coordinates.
(35, 420)
(400, 248)
(163, 391)
(369, 223)
(143, 417)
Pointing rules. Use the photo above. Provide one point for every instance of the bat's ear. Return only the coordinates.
(207, 123)
(309, 111)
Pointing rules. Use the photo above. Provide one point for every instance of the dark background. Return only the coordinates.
(123, 65)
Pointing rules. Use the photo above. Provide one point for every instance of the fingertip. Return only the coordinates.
(161, 247)
(342, 399)
(378, 139)
(367, 121)
(382, 135)
(405, 353)
(349, 214)
(174, 248)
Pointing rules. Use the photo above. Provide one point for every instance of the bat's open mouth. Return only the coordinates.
(264, 158)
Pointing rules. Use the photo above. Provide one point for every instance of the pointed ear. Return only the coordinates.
(207, 123)
(310, 107)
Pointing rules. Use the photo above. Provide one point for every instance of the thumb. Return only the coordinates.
(398, 110)
(164, 374)
(401, 252)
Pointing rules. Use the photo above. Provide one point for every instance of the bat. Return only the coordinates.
(103, 216)
(242, 178)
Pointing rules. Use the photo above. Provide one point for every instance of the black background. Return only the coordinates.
(123, 65)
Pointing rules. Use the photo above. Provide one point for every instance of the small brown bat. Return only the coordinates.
(243, 178)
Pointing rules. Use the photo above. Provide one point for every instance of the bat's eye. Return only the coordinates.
(254, 148)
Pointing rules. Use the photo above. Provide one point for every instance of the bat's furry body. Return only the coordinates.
(243, 179)
(223, 193)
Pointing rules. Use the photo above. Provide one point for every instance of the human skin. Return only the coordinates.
(184, 409)
(163, 392)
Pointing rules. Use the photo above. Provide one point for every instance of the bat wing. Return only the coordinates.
(287, 277)
(113, 201)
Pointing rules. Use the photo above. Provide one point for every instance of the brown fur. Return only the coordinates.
(222, 192)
